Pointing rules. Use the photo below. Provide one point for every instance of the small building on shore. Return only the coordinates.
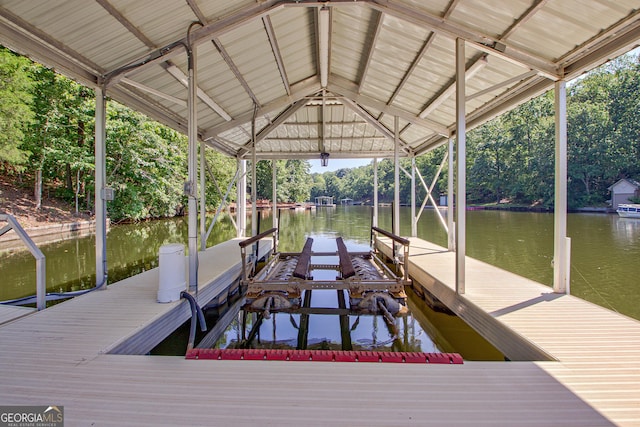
(623, 190)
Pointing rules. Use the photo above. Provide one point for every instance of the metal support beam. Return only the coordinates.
(100, 180)
(193, 172)
(396, 176)
(41, 261)
(429, 196)
(203, 199)
(241, 199)
(254, 184)
(451, 242)
(274, 194)
(561, 261)
(414, 219)
(446, 93)
(375, 191)
(461, 211)
(223, 201)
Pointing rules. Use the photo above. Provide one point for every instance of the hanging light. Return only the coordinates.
(324, 159)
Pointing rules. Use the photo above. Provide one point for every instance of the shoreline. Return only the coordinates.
(52, 232)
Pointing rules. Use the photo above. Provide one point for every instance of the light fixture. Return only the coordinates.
(324, 159)
(323, 44)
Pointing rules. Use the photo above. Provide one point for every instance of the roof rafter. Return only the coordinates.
(447, 91)
(264, 132)
(480, 41)
(346, 88)
(155, 92)
(425, 47)
(502, 84)
(621, 36)
(423, 51)
(234, 69)
(23, 37)
(305, 155)
(183, 79)
(527, 89)
(271, 35)
(148, 106)
(535, 7)
(205, 33)
(126, 23)
(298, 91)
(371, 49)
(387, 133)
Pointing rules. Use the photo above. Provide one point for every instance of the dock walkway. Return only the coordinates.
(64, 356)
(597, 351)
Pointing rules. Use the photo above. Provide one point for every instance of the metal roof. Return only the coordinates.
(385, 59)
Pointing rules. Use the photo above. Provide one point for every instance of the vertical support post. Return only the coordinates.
(203, 199)
(451, 242)
(414, 220)
(192, 133)
(461, 205)
(274, 194)
(241, 203)
(567, 251)
(396, 176)
(100, 181)
(560, 261)
(254, 193)
(375, 192)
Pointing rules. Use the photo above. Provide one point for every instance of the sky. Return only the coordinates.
(335, 164)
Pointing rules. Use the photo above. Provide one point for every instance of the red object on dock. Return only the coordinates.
(324, 356)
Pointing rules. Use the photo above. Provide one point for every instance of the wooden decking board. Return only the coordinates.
(59, 356)
(598, 350)
(10, 313)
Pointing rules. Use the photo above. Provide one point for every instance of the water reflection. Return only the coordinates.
(605, 248)
(325, 331)
(131, 249)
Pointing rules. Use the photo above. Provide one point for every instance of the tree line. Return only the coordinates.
(47, 131)
(510, 159)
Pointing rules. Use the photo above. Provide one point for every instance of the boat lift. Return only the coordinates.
(373, 285)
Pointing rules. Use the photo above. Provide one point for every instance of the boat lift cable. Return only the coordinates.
(594, 289)
(196, 314)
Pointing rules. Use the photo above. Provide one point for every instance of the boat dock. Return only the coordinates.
(66, 355)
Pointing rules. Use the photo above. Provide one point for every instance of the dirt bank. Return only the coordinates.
(19, 202)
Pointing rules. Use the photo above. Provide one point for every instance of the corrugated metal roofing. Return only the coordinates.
(386, 59)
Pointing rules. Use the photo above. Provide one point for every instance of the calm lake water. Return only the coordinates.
(605, 249)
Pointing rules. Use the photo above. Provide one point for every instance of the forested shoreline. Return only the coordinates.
(47, 128)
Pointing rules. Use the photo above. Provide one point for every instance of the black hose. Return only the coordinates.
(50, 296)
(196, 313)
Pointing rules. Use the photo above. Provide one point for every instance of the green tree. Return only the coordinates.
(319, 186)
(146, 165)
(57, 135)
(223, 169)
(15, 111)
(294, 181)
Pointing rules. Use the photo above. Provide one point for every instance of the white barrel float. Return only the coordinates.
(172, 272)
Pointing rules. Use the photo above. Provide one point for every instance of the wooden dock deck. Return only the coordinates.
(62, 356)
(597, 350)
(9, 313)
